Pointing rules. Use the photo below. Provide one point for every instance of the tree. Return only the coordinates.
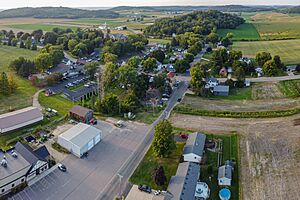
(278, 63)
(127, 76)
(37, 34)
(270, 68)
(22, 45)
(158, 176)
(71, 44)
(12, 85)
(90, 69)
(43, 61)
(23, 67)
(53, 78)
(109, 57)
(110, 105)
(149, 64)
(50, 38)
(298, 68)
(14, 42)
(189, 57)
(129, 102)
(212, 37)
(181, 66)
(163, 142)
(4, 87)
(34, 47)
(262, 57)
(28, 43)
(197, 74)
(158, 55)
(134, 62)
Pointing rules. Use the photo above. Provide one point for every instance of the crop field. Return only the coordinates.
(276, 25)
(288, 50)
(44, 27)
(245, 31)
(23, 95)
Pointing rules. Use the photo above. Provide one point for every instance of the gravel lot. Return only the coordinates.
(270, 153)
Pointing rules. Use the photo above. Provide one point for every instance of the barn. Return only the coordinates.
(19, 118)
(81, 114)
(80, 139)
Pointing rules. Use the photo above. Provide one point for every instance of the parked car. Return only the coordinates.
(62, 167)
(120, 124)
(145, 188)
(179, 99)
(183, 136)
(93, 121)
(156, 192)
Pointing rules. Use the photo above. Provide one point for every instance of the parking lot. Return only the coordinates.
(74, 85)
(86, 178)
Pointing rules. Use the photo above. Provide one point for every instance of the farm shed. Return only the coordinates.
(80, 139)
(19, 118)
(81, 114)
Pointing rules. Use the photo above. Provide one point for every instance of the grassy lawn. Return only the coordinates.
(44, 27)
(162, 41)
(147, 116)
(209, 171)
(142, 174)
(57, 102)
(288, 50)
(245, 31)
(237, 94)
(23, 95)
(290, 88)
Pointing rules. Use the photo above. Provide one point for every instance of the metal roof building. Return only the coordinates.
(194, 147)
(80, 138)
(182, 186)
(19, 118)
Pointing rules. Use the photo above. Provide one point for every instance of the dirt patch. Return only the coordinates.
(270, 150)
(266, 91)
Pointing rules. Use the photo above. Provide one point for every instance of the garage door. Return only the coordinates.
(90, 144)
(97, 139)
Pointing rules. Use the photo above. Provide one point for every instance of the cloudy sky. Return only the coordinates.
(112, 3)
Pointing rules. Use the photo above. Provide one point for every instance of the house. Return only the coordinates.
(118, 36)
(81, 114)
(225, 174)
(19, 118)
(221, 90)
(121, 28)
(194, 147)
(80, 139)
(223, 72)
(13, 170)
(259, 71)
(38, 163)
(291, 68)
(182, 186)
(171, 74)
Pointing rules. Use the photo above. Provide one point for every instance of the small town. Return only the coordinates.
(149, 100)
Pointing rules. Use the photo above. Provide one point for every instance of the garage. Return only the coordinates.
(80, 139)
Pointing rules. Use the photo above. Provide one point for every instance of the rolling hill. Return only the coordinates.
(292, 10)
(56, 12)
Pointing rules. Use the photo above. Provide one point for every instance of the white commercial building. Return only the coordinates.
(80, 139)
(19, 118)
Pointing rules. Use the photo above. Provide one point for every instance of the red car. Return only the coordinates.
(93, 121)
(183, 136)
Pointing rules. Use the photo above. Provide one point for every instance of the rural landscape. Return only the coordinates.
(161, 102)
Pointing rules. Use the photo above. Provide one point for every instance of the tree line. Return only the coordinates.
(8, 84)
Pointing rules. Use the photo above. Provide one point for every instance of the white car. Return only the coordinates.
(156, 192)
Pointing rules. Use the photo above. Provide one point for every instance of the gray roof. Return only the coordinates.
(80, 134)
(42, 152)
(14, 165)
(221, 88)
(27, 152)
(182, 186)
(19, 116)
(195, 144)
(212, 79)
(225, 171)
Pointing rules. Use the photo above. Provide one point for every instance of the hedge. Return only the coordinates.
(258, 114)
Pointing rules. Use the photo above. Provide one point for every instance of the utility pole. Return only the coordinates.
(120, 179)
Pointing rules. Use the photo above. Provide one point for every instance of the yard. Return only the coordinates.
(23, 95)
(288, 50)
(209, 170)
(142, 174)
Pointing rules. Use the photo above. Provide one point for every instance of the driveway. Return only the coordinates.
(87, 178)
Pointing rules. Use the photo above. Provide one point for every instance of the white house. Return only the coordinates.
(194, 147)
(211, 82)
(80, 139)
(225, 174)
(39, 162)
(19, 118)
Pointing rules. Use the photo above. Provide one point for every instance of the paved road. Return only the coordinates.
(88, 177)
(112, 189)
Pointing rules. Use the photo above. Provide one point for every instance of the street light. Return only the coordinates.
(120, 179)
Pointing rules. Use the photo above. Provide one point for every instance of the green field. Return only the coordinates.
(162, 41)
(288, 50)
(23, 95)
(290, 88)
(245, 31)
(44, 27)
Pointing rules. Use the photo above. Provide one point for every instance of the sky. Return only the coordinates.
(113, 3)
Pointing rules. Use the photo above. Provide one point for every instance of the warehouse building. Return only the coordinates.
(80, 139)
(81, 114)
(19, 118)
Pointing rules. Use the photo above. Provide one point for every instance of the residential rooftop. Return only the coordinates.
(195, 144)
